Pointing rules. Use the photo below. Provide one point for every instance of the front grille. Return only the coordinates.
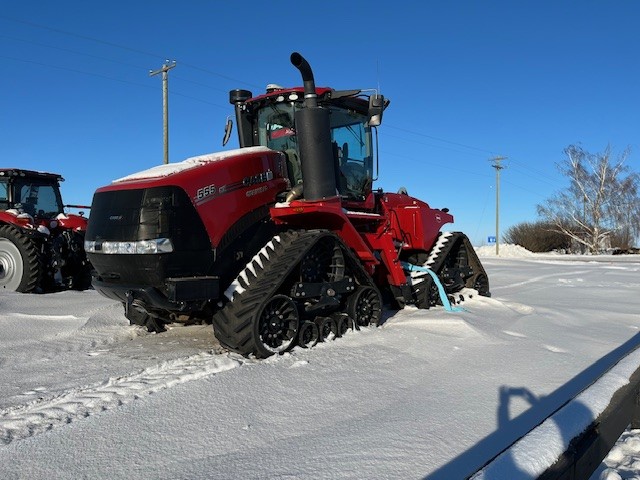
(147, 214)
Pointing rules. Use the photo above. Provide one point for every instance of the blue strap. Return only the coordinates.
(443, 296)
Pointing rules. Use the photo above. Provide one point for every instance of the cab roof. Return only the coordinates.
(21, 172)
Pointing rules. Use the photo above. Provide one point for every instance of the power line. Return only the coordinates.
(122, 47)
(443, 147)
(106, 77)
(68, 50)
(440, 139)
(83, 37)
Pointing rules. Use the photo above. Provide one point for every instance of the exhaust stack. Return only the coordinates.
(314, 139)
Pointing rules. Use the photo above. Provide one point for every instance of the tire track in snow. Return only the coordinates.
(97, 329)
(17, 423)
(539, 278)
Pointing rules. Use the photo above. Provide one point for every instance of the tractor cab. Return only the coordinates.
(35, 193)
(269, 120)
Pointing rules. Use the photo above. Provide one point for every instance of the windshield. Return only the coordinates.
(350, 136)
(38, 198)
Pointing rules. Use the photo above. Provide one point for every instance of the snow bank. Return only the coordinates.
(506, 250)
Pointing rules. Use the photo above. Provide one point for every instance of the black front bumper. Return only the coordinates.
(181, 295)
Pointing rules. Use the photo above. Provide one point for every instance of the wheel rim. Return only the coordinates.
(323, 263)
(11, 268)
(278, 324)
(365, 308)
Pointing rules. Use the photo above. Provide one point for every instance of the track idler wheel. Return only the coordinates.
(277, 325)
(365, 306)
(308, 335)
(481, 284)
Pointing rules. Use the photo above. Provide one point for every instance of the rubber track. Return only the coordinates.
(234, 324)
(472, 258)
(436, 262)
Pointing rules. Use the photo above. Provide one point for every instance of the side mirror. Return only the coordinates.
(227, 131)
(376, 107)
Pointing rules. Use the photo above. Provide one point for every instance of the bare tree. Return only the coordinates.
(601, 202)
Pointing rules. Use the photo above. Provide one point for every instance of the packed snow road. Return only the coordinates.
(429, 394)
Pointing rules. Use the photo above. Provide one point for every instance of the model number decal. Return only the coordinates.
(205, 192)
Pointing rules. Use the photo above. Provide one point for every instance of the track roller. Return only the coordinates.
(308, 335)
(343, 323)
(327, 328)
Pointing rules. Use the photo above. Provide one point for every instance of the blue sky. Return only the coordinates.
(467, 81)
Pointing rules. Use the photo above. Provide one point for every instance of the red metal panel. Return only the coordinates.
(225, 189)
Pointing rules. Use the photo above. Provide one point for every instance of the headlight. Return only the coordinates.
(157, 245)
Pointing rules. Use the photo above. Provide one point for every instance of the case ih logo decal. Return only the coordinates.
(209, 192)
(260, 178)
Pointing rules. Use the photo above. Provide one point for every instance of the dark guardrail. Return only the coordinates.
(587, 450)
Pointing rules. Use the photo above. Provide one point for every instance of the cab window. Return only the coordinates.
(38, 199)
(4, 194)
(352, 144)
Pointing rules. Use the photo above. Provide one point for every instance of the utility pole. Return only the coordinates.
(165, 103)
(498, 166)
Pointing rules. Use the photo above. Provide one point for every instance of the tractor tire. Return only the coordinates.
(20, 267)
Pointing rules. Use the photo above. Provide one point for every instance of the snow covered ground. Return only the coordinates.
(429, 394)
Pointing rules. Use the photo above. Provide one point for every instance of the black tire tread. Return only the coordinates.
(32, 265)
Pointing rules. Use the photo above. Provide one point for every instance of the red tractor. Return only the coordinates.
(282, 241)
(41, 247)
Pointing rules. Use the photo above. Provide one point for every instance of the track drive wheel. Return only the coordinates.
(323, 263)
(365, 306)
(277, 325)
(20, 267)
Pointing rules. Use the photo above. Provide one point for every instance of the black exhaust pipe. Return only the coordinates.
(310, 96)
(314, 139)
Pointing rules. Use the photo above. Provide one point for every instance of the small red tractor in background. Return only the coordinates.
(282, 241)
(41, 247)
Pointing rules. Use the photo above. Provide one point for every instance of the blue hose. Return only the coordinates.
(443, 296)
